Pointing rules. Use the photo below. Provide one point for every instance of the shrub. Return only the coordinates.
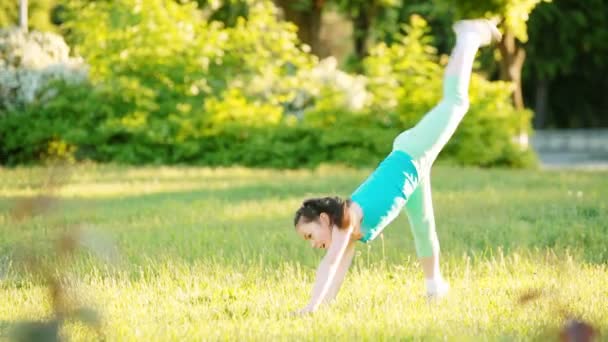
(29, 61)
(63, 126)
(197, 92)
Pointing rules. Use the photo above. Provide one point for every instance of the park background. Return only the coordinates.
(173, 140)
(234, 82)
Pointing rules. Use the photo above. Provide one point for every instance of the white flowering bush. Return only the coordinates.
(353, 87)
(320, 85)
(29, 62)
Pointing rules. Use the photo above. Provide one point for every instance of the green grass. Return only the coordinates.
(211, 254)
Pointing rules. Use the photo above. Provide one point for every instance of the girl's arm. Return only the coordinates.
(340, 241)
(341, 272)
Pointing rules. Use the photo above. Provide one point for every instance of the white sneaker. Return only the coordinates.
(437, 290)
(485, 28)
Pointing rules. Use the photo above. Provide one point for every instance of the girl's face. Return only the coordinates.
(317, 232)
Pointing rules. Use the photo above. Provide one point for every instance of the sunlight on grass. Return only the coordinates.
(210, 254)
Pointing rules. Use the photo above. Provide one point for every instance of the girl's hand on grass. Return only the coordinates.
(306, 311)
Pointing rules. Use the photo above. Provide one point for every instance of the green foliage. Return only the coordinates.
(54, 128)
(406, 76)
(487, 135)
(514, 13)
(225, 11)
(198, 92)
(406, 81)
(39, 14)
(30, 63)
(215, 76)
(571, 64)
(383, 17)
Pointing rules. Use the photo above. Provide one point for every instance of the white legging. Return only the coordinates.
(424, 141)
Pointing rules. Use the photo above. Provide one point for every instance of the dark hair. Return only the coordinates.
(335, 207)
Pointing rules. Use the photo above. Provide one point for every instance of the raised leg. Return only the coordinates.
(424, 142)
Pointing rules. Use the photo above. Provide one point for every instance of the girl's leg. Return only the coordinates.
(424, 142)
(419, 209)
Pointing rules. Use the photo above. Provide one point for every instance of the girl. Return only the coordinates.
(402, 179)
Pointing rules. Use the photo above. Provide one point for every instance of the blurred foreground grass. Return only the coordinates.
(211, 254)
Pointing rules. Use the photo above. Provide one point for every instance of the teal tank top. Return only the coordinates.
(385, 192)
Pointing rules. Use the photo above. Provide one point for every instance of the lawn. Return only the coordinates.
(182, 253)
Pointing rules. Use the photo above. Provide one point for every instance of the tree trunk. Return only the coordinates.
(511, 65)
(307, 21)
(23, 15)
(513, 57)
(540, 106)
(361, 27)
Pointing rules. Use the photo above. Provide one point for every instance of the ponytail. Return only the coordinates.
(335, 207)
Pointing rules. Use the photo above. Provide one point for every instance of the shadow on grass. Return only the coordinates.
(5, 329)
(234, 194)
(213, 229)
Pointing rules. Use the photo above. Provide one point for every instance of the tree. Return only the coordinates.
(370, 19)
(565, 72)
(23, 15)
(226, 11)
(365, 15)
(514, 16)
(306, 15)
